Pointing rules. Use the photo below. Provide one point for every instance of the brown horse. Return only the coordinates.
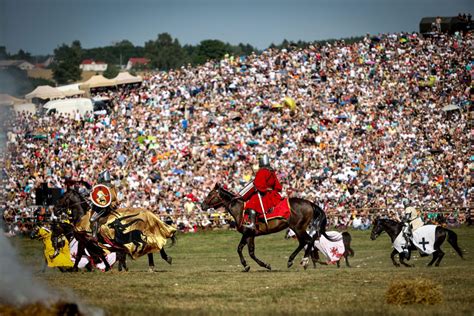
(303, 214)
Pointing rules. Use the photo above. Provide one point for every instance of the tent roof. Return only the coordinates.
(6, 99)
(44, 92)
(126, 78)
(98, 81)
(71, 89)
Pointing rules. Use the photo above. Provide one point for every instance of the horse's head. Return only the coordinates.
(73, 205)
(377, 228)
(213, 199)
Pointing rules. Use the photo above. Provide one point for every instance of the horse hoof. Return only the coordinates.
(169, 260)
(290, 263)
(246, 269)
(304, 262)
(151, 270)
(269, 267)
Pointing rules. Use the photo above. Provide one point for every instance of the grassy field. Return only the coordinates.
(206, 278)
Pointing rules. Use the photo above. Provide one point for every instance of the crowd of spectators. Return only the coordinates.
(367, 130)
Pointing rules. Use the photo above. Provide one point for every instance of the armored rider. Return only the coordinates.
(265, 191)
(411, 221)
(104, 200)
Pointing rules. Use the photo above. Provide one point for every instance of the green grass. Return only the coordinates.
(206, 278)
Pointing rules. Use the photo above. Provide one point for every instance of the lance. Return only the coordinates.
(261, 205)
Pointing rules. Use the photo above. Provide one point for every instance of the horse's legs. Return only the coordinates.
(243, 242)
(104, 260)
(402, 261)
(165, 256)
(309, 243)
(440, 257)
(314, 257)
(338, 263)
(346, 257)
(151, 262)
(79, 254)
(304, 240)
(293, 255)
(435, 256)
(437, 247)
(251, 245)
(392, 256)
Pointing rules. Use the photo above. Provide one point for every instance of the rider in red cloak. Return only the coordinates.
(267, 185)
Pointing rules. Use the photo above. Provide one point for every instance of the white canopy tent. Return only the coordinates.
(97, 81)
(126, 78)
(71, 89)
(45, 92)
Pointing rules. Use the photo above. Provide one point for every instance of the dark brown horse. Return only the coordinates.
(76, 206)
(304, 214)
(394, 228)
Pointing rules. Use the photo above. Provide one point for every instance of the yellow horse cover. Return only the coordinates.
(63, 259)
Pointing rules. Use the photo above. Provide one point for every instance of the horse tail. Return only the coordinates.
(319, 222)
(453, 241)
(346, 239)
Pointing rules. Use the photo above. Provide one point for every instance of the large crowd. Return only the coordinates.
(355, 127)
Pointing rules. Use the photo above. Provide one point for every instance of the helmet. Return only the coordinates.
(264, 161)
(104, 176)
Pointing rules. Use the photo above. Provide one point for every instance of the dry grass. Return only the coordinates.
(417, 291)
(206, 278)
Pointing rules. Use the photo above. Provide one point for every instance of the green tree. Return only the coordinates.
(66, 63)
(210, 49)
(111, 72)
(165, 52)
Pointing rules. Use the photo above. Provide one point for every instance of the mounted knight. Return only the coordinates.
(104, 200)
(262, 194)
(411, 222)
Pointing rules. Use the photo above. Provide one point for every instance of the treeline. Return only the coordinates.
(164, 52)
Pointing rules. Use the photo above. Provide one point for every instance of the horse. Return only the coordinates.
(85, 242)
(303, 214)
(393, 229)
(76, 207)
(348, 251)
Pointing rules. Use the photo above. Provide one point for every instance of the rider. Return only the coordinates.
(411, 221)
(266, 188)
(99, 213)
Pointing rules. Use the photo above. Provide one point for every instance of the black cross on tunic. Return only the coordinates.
(423, 243)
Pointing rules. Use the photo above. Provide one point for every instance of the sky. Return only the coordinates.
(39, 26)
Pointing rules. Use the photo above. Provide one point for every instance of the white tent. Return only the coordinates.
(97, 81)
(45, 92)
(126, 78)
(71, 89)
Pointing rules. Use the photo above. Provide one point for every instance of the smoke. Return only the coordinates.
(16, 282)
(17, 285)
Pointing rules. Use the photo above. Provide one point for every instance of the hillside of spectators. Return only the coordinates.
(367, 131)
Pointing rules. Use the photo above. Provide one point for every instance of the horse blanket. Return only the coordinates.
(280, 211)
(423, 239)
(137, 230)
(332, 250)
(111, 257)
(63, 259)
